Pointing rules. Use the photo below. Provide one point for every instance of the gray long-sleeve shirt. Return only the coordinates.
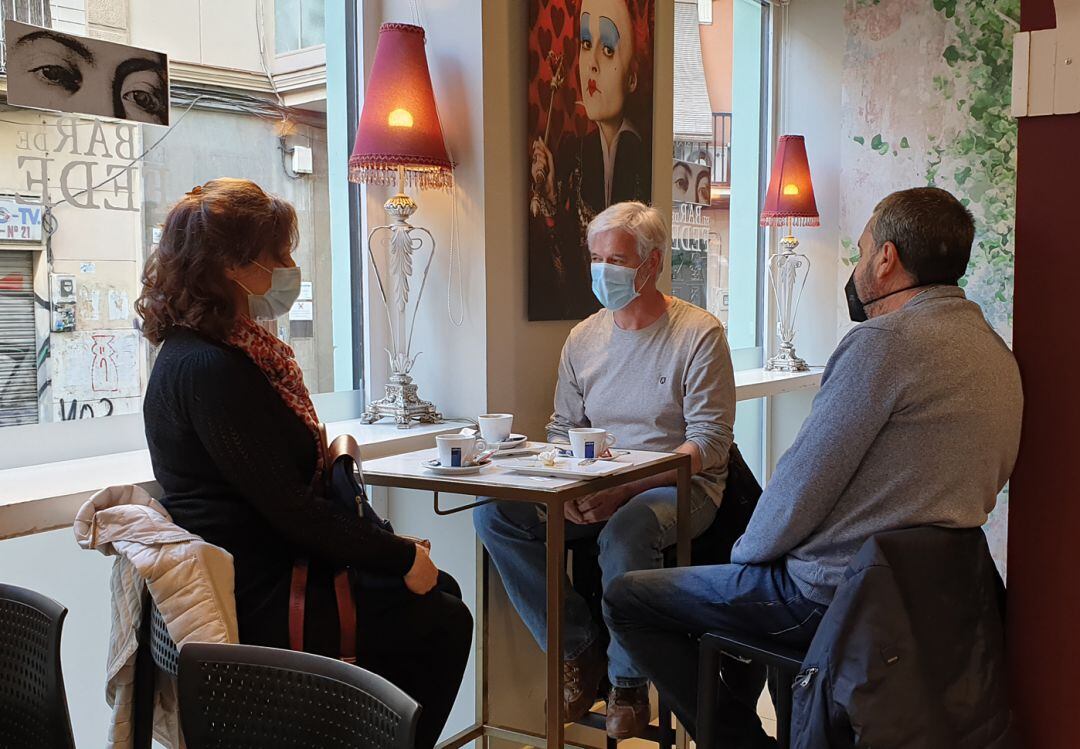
(654, 388)
(917, 423)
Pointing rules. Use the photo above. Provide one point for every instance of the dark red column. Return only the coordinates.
(1044, 503)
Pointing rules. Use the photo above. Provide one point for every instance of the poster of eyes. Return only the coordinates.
(590, 137)
(48, 69)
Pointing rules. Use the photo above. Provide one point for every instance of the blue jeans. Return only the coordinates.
(658, 617)
(633, 539)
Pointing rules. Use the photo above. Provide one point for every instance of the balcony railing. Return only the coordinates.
(37, 12)
(716, 153)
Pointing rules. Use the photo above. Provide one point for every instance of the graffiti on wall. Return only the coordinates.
(95, 373)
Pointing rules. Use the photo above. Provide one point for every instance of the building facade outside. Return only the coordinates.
(82, 199)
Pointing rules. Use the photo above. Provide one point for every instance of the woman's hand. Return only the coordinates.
(424, 574)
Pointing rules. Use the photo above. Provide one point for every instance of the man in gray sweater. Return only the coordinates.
(655, 372)
(917, 423)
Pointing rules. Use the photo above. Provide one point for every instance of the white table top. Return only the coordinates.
(498, 474)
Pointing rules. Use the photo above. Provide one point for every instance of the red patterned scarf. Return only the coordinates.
(278, 362)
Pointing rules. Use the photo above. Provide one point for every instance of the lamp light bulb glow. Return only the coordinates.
(400, 118)
(791, 189)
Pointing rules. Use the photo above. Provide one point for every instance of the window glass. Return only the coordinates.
(82, 200)
(287, 25)
(720, 84)
(312, 28)
(721, 88)
(298, 24)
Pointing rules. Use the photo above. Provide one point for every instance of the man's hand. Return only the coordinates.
(598, 507)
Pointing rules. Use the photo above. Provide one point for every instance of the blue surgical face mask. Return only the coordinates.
(615, 285)
(279, 298)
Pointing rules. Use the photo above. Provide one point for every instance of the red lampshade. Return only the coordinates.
(790, 197)
(399, 126)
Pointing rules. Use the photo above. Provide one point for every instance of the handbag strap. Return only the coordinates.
(297, 600)
(346, 603)
(346, 606)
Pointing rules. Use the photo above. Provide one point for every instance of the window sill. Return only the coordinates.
(757, 383)
(39, 498)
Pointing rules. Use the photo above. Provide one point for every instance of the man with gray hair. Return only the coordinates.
(656, 372)
(917, 424)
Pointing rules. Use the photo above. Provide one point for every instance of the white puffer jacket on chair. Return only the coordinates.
(190, 581)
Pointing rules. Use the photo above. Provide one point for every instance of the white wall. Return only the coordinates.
(809, 77)
(210, 32)
(79, 580)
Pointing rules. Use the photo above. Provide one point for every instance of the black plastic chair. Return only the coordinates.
(33, 703)
(157, 654)
(782, 663)
(711, 547)
(248, 696)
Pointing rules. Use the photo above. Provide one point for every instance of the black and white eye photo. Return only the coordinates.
(691, 183)
(48, 69)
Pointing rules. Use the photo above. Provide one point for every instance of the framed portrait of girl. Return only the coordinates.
(590, 137)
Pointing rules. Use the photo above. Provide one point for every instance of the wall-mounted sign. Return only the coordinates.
(19, 222)
(48, 69)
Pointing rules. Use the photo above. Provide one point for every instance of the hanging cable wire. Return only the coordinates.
(133, 161)
(455, 249)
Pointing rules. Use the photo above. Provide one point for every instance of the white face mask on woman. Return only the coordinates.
(279, 298)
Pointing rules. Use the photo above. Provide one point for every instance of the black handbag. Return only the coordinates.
(344, 488)
(345, 481)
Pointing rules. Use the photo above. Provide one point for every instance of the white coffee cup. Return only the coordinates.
(590, 443)
(495, 427)
(458, 450)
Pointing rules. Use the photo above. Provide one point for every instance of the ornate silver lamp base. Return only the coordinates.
(402, 404)
(786, 361)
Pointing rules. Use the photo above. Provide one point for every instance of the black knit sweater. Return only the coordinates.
(235, 464)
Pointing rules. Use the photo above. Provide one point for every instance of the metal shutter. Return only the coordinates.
(18, 366)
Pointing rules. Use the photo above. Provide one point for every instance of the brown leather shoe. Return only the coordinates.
(581, 679)
(627, 712)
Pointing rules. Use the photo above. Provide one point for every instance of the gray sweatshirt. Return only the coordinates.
(917, 423)
(654, 388)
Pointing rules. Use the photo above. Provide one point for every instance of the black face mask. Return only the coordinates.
(857, 307)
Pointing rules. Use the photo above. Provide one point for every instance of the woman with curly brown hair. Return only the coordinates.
(235, 445)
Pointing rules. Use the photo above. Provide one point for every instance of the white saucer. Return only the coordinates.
(515, 440)
(436, 467)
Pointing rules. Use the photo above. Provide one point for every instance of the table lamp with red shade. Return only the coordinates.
(400, 141)
(789, 202)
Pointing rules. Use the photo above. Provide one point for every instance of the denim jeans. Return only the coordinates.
(658, 617)
(633, 539)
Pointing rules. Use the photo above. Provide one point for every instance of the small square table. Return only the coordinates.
(497, 481)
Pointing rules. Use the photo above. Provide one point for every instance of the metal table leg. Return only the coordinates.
(556, 580)
(682, 513)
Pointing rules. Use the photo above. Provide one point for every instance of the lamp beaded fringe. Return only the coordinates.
(424, 178)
